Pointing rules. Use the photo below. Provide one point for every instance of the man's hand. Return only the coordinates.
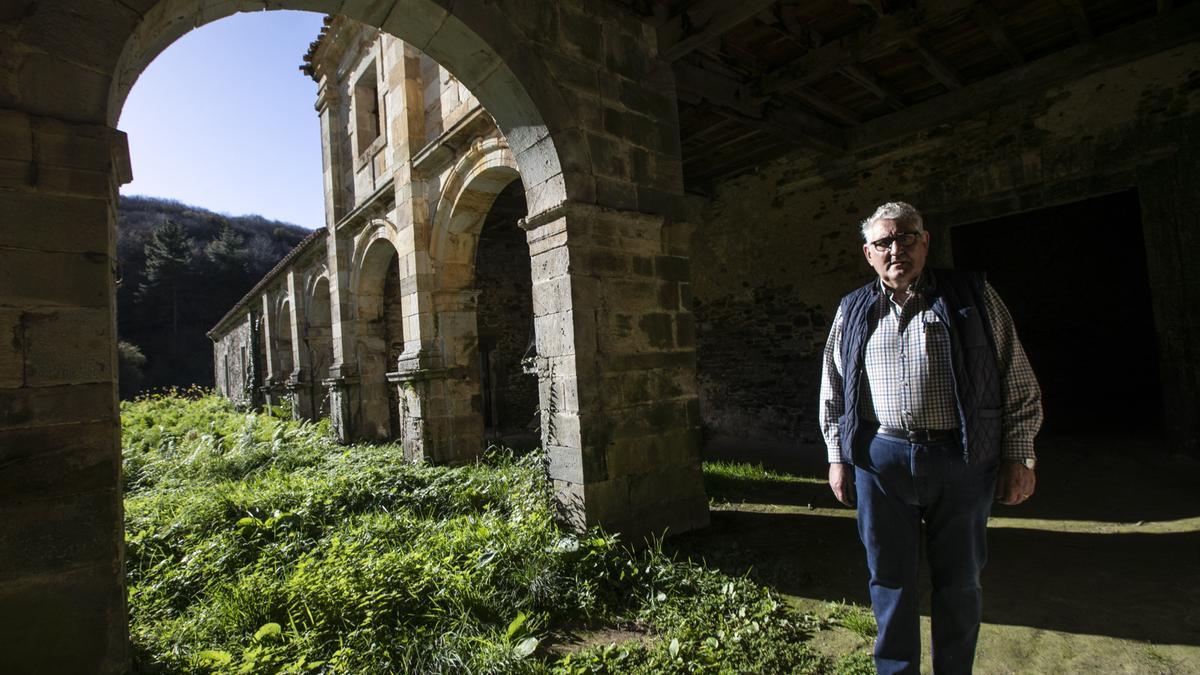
(841, 479)
(1014, 484)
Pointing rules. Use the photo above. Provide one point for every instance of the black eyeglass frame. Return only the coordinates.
(885, 244)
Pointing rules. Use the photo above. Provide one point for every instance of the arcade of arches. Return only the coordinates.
(608, 223)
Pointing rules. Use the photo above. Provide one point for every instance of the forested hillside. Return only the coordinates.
(181, 268)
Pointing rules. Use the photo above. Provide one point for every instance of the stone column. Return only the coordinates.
(299, 380)
(272, 378)
(616, 369)
(61, 546)
(441, 417)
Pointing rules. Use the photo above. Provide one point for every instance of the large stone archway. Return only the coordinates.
(597, 213)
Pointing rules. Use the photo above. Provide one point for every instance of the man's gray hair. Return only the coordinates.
(901, 212)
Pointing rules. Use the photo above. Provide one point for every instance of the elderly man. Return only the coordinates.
(929, 409)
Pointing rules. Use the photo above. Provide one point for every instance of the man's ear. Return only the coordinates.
(867, 253)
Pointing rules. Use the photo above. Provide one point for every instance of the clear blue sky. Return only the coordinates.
(224, 119)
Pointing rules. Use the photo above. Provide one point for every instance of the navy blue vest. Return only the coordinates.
(957, 299)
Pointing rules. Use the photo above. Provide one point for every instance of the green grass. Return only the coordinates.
(856, 619)
(257, 545)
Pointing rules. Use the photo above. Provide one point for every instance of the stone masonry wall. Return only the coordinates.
(777, 249)
(231, 363)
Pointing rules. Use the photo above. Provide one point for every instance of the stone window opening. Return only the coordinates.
(368, 125)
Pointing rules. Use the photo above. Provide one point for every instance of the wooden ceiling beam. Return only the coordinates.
(702, 22)
(823, 104)
(990, 23)
(885, 35)
(860, 76)
(730, 98)
(1149, 36)
(936, 65)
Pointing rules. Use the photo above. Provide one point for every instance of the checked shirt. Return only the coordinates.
(909, 380)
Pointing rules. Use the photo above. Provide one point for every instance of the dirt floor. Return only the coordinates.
(1098, 573)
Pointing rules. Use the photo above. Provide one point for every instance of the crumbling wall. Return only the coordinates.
(233, 363)
(776, 250)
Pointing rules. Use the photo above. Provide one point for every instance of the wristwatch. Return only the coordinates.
(1029, 462)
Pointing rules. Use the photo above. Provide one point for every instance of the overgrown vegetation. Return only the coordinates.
(256, 545)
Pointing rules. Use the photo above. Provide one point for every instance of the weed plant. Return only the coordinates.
(257, 545)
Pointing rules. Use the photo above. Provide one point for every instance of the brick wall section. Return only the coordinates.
(1129, 126)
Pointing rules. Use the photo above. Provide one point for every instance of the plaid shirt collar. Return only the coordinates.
(924, 286)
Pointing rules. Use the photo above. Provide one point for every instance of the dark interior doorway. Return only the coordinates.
(505, 322)
(1074, 278)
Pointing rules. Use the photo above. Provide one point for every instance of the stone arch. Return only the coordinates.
(480, 44)
(379, 332)
(318, 341)
(481, 175)
(282, 338)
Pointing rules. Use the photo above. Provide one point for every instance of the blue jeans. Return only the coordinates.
(903, 485)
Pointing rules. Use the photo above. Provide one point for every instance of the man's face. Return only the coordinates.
(898, 266)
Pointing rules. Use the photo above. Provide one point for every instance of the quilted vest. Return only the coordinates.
(957, 300)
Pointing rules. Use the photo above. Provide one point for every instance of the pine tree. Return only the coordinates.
(229, 275)
(167, 275)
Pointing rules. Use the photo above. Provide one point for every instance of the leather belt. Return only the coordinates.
(920, 435)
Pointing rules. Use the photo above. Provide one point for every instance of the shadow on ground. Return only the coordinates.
(1072, 560)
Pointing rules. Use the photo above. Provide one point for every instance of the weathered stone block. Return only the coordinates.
(46, 536)
(657, 327)
(16, 136)
(673, 268)
(54, 87)
(645, 454)
(579, 35)
(16, 174)
(51, 222)
(58, 144)
(615, 193)
(71, 622)
(12, 349)
(663, 487)
(68, 346)
(51, 462)
(607, 500)
(45, 406)
(550, 264)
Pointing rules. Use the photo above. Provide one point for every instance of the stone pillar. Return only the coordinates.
(299, 380)
(272, 378)
(616, 367)
(61, 544)
(441, 418)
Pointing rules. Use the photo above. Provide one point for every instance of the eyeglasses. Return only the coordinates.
(905, 239)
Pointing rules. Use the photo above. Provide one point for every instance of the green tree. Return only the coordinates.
(167, 275)
(229, 274)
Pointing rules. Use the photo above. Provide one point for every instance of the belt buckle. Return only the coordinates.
(918, 436)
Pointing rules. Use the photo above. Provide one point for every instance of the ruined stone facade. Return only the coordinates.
(655, 311)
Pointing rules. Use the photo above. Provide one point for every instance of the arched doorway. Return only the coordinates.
(281, 363)
(319, 343)
(504, 317)
(379, 327)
